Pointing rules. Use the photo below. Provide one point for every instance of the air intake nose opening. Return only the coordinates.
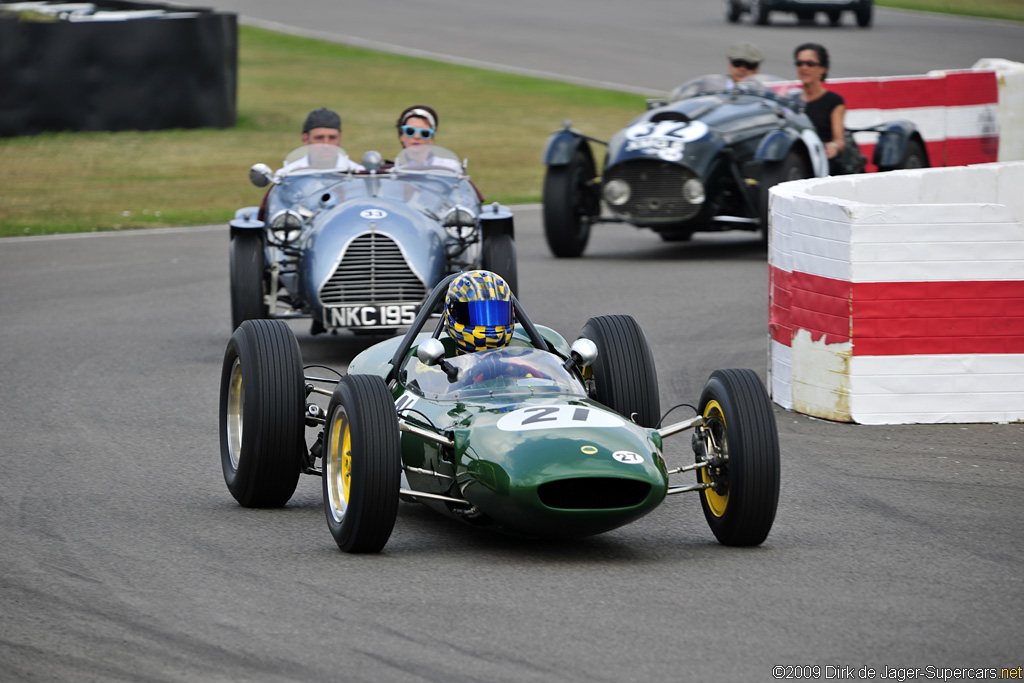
(593, 493)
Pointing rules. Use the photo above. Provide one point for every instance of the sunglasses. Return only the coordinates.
(425, 133)
(743, 64)
(801, 62)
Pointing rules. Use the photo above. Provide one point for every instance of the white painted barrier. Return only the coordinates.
(898, 298)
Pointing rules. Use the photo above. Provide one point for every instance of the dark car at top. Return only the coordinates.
(805, 10)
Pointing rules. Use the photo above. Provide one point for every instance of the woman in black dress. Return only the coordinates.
(825, 108)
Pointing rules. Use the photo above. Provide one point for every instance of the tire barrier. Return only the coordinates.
(898, 298)
(116, 66)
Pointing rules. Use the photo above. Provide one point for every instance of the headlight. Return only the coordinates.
(693, 191)
(460, 222)
(286, 226)
(616, 192)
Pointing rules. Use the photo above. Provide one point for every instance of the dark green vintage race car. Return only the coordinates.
(540, 438)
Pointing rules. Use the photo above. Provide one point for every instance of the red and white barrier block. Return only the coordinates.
(956, 112)
(898, 298)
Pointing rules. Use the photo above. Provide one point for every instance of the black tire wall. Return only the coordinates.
(137, 74)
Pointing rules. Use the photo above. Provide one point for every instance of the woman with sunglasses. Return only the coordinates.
(417, 125)
(825, 108)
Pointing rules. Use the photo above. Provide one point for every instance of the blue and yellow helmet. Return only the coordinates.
(478, 311)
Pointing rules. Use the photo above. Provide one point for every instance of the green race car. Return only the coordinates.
(539, 438)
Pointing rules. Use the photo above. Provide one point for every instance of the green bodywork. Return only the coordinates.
(531, 456)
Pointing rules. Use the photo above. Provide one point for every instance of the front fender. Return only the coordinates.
(246, 219)
(561, 147)
(892, 142)
(776, 145)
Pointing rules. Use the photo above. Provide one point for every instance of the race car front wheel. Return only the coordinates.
(625, 379)
(262, 428)
(361, 471)
(247, 278)
(793, 167)
(741, 440)
(569, 200)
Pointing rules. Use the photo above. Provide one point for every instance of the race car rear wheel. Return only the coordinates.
(262, 426)
(362, 464)
(742, 437)
(569, 199)
(760, 12)
(864, 15)
(914, 157)
(793, 167)
(248, 281)
(499, 256)
(733, 11)
(624, 376)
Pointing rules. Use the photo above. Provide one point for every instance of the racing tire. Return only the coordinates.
(624, 375)
(677, 236)
(262, 421)
(760, 13)
(793, 167)
(499, 256)
(739, 414)
(733, 11)
(864, 15)
(568, 201)
(248, 280)
(362, 464)
(913, 157)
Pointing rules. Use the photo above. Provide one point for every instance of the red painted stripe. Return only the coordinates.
(964, 151)
(971, 87)
(893, 94)
(900, 318)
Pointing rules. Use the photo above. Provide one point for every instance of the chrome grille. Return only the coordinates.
(372, 270)
(656, 191)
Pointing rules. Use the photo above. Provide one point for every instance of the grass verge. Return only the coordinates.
(83, 182)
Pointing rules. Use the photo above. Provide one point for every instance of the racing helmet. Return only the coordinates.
(478, 311)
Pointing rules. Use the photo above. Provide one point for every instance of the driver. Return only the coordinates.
(322, 128)
(479, 315)
(744, 61)
(478, 311)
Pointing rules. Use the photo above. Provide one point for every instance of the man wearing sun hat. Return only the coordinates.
(744, 61)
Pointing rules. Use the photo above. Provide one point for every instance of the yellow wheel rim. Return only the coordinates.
(717, 502)
(339, 464)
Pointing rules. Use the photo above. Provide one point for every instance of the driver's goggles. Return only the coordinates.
(744, 64)
(487, 313)
(425, 133)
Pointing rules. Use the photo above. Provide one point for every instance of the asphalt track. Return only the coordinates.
(124, 558)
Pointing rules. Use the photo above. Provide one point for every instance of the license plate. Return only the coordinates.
(371, 315)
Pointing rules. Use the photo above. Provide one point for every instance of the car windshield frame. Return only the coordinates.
(511, 371)
(759, 85)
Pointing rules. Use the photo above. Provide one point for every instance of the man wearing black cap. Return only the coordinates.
(322, 126)
(744, 61)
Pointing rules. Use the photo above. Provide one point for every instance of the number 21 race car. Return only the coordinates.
(537, 438)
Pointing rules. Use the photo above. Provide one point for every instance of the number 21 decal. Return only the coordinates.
(556, 417)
